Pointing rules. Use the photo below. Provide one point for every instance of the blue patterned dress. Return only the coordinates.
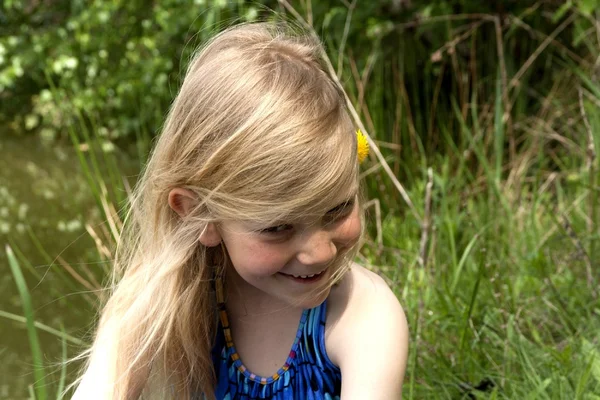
(307, 374)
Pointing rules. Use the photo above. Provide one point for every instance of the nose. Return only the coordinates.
(317, 248)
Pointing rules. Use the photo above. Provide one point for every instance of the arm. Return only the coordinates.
(374, 350)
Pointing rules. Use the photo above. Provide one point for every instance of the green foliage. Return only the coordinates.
(119, 61)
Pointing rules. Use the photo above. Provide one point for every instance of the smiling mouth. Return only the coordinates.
(304, 278)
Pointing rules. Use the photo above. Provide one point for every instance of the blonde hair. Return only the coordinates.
(259, 131)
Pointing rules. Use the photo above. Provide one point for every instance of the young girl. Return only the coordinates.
(236, 258)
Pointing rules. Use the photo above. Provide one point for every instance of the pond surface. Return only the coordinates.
(45, 196)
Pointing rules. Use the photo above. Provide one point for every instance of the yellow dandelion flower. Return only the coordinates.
(362, 146)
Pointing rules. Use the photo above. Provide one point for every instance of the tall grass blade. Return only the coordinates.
(63, 370)
(589, 348)
(469, 313)
(536, 393)
(109, 162)
(34, 343)
(463, 259)
(498, 130)
(477, 147)
(54, 289)
(585, 377)
(43, 327)
(50, 262)
(31, 392)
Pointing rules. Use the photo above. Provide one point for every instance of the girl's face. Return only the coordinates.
(291, 261)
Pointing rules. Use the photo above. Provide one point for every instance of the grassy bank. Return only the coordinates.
(501, 295)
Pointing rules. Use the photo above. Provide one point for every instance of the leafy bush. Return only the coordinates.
(119, 61)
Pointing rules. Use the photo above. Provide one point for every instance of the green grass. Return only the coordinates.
(514, 311)
(34, 343)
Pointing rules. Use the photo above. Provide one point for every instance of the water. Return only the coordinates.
(43, 191)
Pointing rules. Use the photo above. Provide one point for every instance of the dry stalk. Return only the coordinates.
(397, 127)
(514, 82)
(590, 160)
(91, 278)
(372, 144)
(548, 113)
(361, 83)
(547, 183)
(449, 47)
(552, 230)
(437, 55)
(372, 169)
(592, 98)
(549, 134)
(388, 145)
(376, 204)
(76, 276)
(102, 249)
(362, 78)
(505, 99)
(517, 171)
(444, 18)
(434, 102)
(426, 224)
(375, 268)
(409, 119)
(384, 164)
(308, 7)
(519, 22)
(586, 257)
(115, 224)
(344, 37)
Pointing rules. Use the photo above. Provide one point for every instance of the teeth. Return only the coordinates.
(304, 276)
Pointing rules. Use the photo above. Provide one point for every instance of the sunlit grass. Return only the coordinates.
(503, 304)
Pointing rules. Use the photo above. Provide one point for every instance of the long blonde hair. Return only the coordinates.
(259, 131)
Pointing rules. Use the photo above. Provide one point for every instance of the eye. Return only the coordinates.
(278, 229)
(340, 211)
(341, 207)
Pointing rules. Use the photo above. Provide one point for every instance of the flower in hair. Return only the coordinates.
(362, 146)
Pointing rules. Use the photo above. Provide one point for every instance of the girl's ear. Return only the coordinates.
(210, 236)
(182, 201)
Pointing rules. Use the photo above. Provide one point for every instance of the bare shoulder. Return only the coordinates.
(361, 297)
(367, 335)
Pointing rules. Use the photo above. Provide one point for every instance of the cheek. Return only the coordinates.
(348, 232)
(258, 259)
